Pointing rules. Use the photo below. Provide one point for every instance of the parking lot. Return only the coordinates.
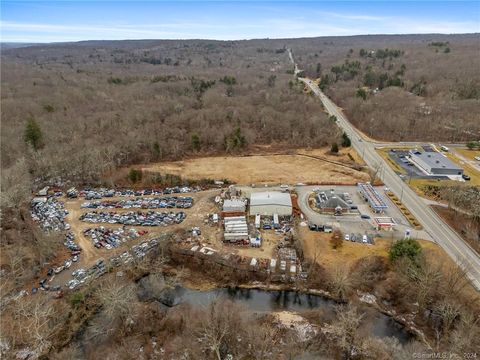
(361, 223)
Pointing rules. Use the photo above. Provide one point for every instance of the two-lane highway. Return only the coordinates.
(441, 233)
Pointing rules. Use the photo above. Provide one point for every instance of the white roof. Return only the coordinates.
(233, 204)
(270, 198)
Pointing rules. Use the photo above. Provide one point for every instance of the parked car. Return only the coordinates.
(365, 239)
(466, 177)
(364, 216)
(347, 237)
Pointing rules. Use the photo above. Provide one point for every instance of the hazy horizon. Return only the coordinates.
(73, 21)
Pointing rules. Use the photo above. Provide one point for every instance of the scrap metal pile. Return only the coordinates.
(142, 203)
(150, 218)
(90, 194)
(50, 214)
(110, 238)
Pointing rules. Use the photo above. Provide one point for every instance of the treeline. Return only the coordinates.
(364, 74)
(80, 120)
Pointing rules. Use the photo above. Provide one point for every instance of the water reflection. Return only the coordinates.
(268, 301)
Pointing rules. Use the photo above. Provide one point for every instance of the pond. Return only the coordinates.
(286, 300)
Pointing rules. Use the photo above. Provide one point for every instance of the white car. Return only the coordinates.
(347, 237)
(365, 239)
(477, 158)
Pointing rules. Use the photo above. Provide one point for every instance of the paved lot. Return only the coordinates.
(354, 223)
(400, 157)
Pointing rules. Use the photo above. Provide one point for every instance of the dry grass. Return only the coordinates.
(469, 154)
(468, 169)
(317, 244)
(265, 169)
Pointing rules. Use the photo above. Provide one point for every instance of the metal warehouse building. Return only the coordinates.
(270, 202)
(434, 163)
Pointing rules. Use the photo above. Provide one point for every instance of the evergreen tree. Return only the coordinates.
(196, 143)
(33, 134)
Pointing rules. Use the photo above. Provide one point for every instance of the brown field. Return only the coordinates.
(266, 168)
(317, 245)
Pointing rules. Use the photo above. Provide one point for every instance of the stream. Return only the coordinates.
(287, 300)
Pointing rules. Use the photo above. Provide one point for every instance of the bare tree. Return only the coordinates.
(344, 330)
(340, 283)
(116, 298)
(37, 320)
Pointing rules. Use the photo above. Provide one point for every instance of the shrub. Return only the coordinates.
(409, 248)
(334, 148)
(346, 142)
(361, 93)
(336, 240)
(76, 299)
(48, 108)
(135, 175)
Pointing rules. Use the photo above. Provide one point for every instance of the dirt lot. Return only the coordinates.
(203, 205)
(284, 168)
(213, 236)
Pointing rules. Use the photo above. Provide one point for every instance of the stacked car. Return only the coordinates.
(142, 203)
(150, 218)
(49, 213)
(110, 238)
(90, 194)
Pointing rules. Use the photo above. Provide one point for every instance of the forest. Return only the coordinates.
(402, 87)
(74, 113)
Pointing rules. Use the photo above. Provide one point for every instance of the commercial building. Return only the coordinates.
(434, 163)
(329, 202)
(270, 202)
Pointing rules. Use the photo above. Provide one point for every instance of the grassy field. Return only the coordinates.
(273, 169)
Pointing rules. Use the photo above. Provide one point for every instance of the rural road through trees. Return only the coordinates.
(441, 233)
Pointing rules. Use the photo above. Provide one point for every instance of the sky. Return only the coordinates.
(60, 21)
